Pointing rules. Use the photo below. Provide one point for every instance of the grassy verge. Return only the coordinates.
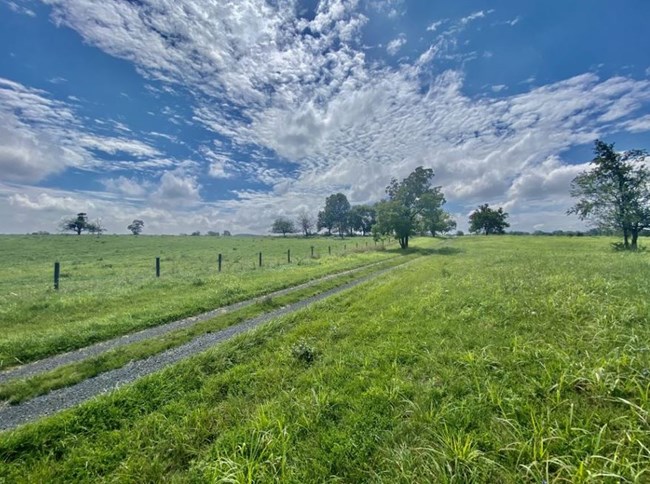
(50, 322)
(19, 391)
(515, 360)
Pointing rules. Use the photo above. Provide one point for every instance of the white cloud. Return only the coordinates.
(127, 186)
(269, 81)
(396, 44)
(434, 25)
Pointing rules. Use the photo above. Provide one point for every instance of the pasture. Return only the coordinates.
(108, 284)
(496, 359)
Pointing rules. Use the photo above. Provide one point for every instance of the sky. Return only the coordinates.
(223, 115)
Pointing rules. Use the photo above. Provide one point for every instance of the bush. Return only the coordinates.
(303, 352)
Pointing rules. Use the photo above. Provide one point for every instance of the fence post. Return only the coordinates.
(329, 249)
(344, 246)
(157, 266)
(312, 251)
(57, 272)
(260, 259)
(219, 262)
(289, 256)
(357, 245)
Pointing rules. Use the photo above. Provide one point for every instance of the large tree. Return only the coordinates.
(408, 200)
(361, 218)
(487, 221)
(136, 227)
(335, 215)
(615, 192)
(284, 226)
(76, 224)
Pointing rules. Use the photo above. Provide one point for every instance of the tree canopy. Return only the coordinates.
(284, 226)
(615, 192)
(335, 215)
(487, 221)
(136, 227)
(408, 202)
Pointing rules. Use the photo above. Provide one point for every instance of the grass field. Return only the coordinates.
(508, 359)
(108, 285)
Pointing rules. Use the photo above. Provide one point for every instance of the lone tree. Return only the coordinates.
(284, 226)
(615, 192)
(76, 224)
(488, 221)
(305, 222)
(136, 227)
(335, 214)
(408, 200)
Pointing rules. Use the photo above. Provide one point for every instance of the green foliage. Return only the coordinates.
(409, 202)
(76, 224)
(303, 352)
(437, 221)
(283, 225)
(532, 369)
(361, 218)
(136, 227)
(335, 215)
(615, 193)
(487, 221)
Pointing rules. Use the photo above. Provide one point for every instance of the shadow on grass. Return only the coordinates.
(426, 251)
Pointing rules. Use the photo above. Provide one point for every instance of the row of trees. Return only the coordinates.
(413, 206)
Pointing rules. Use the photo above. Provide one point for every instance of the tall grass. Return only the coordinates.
(509, 360)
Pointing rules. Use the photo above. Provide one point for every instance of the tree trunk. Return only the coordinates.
(404, 242)
(626, 237)
(635, 236)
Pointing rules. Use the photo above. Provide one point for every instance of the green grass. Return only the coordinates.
(108, 284)
(17, 391)
(516, 359)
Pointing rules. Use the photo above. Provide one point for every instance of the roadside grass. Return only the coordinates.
(97, 302)
(516, 359)
(20, 390)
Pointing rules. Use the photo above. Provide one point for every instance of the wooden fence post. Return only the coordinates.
(260, 259)
(219, 262)
(57, 273)
(289, 256)
(157, 266)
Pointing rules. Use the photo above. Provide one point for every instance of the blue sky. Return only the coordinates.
(213, 115)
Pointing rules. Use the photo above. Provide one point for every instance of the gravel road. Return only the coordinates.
(53, 402)
(53, 362)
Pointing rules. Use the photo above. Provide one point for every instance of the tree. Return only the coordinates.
(361, 218)
(75, 224)
(305, 222)
(283, 225)
(438, 221)
(95, 227)
(335, 214)
(226, 233)
(615, 193)
(136, 227)
(408, 200)
(488, 221)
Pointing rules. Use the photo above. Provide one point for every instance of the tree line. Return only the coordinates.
(412, 206)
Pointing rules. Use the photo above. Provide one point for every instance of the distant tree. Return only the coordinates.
(284, 226)
(76, 224)
(361, 218)
(196, 233)
(488, 221)
(437, 221)
(615, 192)
(459, 233)
(401, 215)
(136, 227)
(335, 214)
(305, 222)
(95, 227)
(226, 233)
(212, 233)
